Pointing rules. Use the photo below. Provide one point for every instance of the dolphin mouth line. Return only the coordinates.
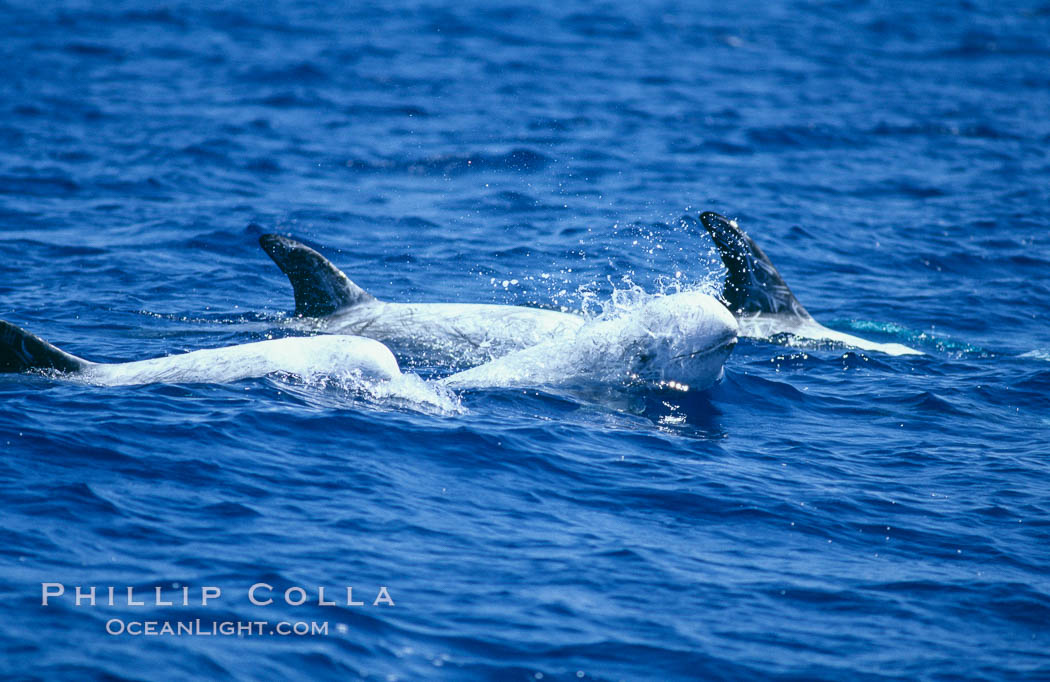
(728, 340)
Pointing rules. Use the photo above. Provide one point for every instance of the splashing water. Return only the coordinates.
(350, 390)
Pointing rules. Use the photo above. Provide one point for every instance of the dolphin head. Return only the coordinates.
(679, 341)
(682, 340)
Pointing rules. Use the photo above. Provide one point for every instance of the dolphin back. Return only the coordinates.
(320, 287)
(21, 351)
(753, 284)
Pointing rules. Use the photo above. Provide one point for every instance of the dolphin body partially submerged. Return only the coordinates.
(760, 298)
(21, 351)
(470, 334)
(445, 334)
(679, 340)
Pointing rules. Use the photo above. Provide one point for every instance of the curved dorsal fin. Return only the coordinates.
(320, 287)
(21, 351)
(753, 284)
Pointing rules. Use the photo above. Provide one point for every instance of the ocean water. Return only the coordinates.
(822, 513)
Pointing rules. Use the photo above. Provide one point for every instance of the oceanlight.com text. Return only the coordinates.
(199, 628)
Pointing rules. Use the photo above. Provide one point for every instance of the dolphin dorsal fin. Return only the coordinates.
(21, 351)
(753, 284)
(320, 287)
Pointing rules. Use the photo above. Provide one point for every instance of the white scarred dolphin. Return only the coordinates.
(21, 351)
(450, 334)
(760, 299)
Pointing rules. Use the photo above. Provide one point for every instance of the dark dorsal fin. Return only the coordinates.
(320, 288)
(21, 351)
(753, 285)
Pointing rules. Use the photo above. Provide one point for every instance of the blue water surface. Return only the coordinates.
(822, 513)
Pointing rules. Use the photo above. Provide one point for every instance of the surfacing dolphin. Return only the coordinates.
(680, 340)
(760, 299)
(21, 351)
(449, 334)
